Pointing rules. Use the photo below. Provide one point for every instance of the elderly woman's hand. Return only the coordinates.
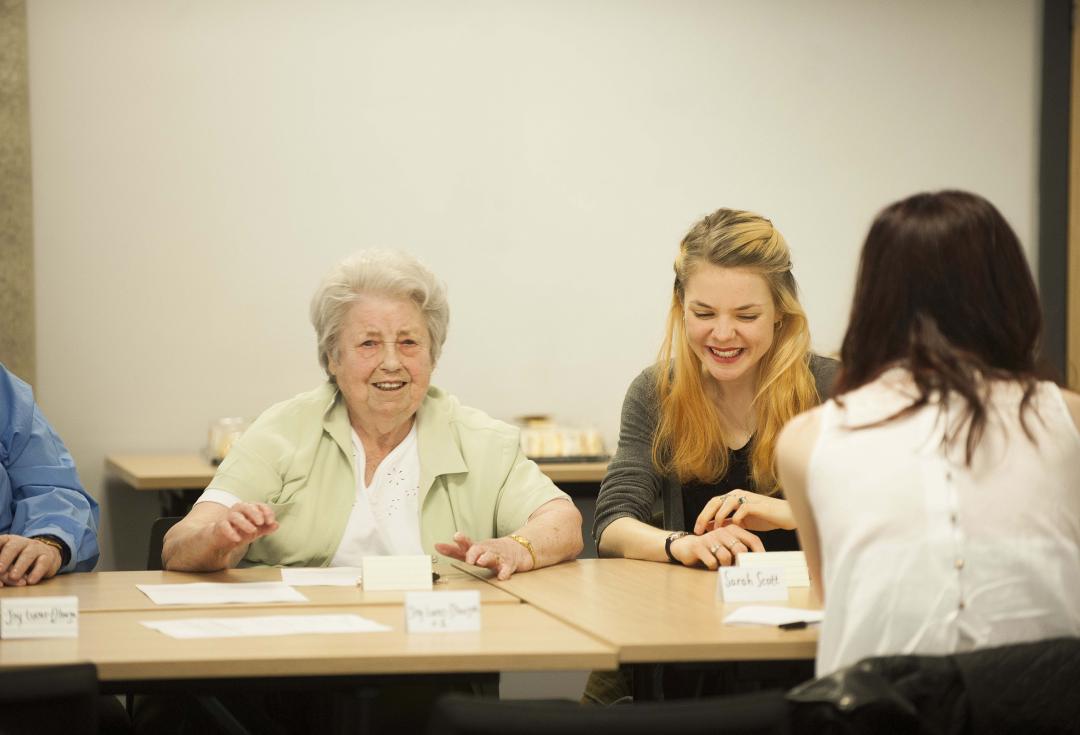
(503, 555)
(242, 524)
(749, 510)
(213, 536)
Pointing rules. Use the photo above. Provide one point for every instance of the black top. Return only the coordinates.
(635, 488)
(696, 494)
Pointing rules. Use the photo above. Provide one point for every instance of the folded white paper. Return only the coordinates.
(768, 615)
(793, 562)
(264, 625)
(750, 584)
(405, 572)
(39, 617)
(321, 577)
(216, 593)
(442, 612)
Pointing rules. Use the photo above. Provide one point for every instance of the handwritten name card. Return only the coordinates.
(748, 584)
(793, 562)
(39, 617)
(442, 612)
(406, 572)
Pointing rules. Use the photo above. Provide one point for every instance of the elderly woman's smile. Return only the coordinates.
(382, 363)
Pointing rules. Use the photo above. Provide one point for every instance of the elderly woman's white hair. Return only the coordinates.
(383, 273)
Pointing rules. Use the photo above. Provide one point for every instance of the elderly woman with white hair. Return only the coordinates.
(376, 461)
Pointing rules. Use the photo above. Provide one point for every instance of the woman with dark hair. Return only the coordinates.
(938, 496)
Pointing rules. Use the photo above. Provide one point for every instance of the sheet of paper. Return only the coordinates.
(264, 625)
(216, 593)
(769, 615)
(321, 576)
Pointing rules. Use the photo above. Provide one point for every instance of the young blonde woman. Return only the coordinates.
(699, 427)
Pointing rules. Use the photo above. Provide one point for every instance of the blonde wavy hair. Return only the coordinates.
(689, 440)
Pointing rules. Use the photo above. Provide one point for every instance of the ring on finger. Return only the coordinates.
(742, 499)
(714, 548)
(733, 544)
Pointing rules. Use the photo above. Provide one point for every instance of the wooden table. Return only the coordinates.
(128, 654)
(178, 477)
(116, 591)
(587, 614)
(654, 613)
(194, 472)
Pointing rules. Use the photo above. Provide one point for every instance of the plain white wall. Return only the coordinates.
(198, 165)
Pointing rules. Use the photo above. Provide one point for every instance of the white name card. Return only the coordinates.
(442, 612)
(411, 572)
(39, 617)
(793, 562)
(748, 584)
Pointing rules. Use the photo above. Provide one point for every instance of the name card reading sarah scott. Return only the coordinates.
(39, 617)
(442, 612)
(750, 584)
(406, 572)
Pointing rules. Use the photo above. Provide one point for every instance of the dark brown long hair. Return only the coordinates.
(944, 290)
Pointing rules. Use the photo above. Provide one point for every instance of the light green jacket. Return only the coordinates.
(298, 458)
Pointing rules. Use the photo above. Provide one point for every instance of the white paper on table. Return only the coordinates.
(264, 625)
(772, 615)
(321, 577)
(220, 592)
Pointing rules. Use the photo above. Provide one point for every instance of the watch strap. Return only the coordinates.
(675, 536)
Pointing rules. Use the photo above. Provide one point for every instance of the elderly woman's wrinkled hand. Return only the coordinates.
(244, 523)
(502, 555)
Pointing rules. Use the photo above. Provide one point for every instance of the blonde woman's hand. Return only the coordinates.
(748, 510)
(717, 548)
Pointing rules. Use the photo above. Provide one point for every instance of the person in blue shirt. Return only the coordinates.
(48, 522)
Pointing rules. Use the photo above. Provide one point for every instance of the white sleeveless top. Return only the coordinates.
(923, 554)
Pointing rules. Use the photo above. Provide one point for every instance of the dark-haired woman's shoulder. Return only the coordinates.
(824, 370)
(1072, 401)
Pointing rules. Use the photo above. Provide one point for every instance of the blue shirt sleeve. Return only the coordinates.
(40, 491)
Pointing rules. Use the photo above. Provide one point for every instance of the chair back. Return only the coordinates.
(53, 699)
(157, 540)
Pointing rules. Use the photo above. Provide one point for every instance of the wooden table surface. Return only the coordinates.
(116, 591)
(194, 472)
(653, 612)
(511, 638)
(587, 614)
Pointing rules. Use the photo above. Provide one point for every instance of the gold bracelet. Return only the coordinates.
(528, 546)
(50, 542)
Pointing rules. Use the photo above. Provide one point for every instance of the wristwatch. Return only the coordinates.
(667, 545)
